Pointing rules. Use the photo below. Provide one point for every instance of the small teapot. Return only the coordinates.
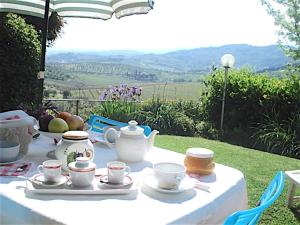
(130, 142)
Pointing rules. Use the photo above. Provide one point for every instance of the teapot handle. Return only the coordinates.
(110, 137)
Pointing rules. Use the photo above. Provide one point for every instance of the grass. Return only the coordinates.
(258, 168)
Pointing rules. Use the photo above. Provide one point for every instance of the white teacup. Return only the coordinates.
(51, 169)
(169, 175)
(116, 172)
(9, 150)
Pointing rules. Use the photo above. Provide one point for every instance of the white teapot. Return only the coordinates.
(130, 142)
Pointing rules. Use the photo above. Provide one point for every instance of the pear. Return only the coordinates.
(64, 115)
(58, 125)
(75, 122)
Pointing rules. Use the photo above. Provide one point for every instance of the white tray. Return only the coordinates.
(95, 189)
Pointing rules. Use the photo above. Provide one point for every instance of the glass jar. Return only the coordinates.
(72, 145)
(199, 161)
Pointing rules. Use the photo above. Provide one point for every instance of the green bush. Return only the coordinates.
(280, 137)
(249, 98)
(19, 63)
(168, 117)
(119, 110)
(179, 117)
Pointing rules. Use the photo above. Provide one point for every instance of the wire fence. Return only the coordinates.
(75, 106)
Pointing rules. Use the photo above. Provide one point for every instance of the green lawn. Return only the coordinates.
(258, 168)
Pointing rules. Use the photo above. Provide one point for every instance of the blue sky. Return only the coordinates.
(174, 24)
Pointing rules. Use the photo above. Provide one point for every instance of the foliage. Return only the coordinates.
(122, 92)
(117, 110)
(249, 97)
(119, 102)
(55, 26)
(286, 14)
(19, 63)
(66, 94)
(258, 168)
(169, 117)
(281, 137)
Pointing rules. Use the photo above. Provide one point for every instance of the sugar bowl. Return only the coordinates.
(82, 172)
(72, 145)
(199, 161)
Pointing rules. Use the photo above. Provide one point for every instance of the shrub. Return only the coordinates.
(249, 97)
(119, 102)
(168, 117)
(206, 129)
(117, 110)
(280, 137)
(19, 63)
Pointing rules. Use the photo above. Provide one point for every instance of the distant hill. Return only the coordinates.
(260, 58)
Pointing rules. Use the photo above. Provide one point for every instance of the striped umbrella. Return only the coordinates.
(98, 9)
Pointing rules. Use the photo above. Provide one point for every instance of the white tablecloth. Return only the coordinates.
(147, 206)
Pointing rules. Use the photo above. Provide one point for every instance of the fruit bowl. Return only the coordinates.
(58, 136)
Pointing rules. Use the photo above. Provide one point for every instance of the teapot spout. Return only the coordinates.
(151, 138)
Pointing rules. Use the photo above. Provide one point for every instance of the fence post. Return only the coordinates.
(77, 106)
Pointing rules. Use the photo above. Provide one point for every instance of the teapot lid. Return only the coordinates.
(132, 129)
(82, 164)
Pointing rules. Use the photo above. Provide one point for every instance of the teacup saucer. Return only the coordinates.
(185, 185)
(126, 183)
(20, 157)
(39, 181)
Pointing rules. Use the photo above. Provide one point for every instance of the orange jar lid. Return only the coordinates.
(200, 153)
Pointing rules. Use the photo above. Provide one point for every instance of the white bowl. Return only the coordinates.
(9, 151)
(58, 136)
(51, 135)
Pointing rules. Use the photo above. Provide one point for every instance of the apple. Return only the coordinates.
(58, 125)
(44, 122)
(75, 122)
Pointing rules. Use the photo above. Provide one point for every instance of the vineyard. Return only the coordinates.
(189, 91)
(172, 91)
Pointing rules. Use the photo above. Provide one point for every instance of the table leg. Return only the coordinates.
(291, 193)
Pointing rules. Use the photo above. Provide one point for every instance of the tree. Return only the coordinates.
(19, 63)
(286, 14)
(20, 49)
(55, 26)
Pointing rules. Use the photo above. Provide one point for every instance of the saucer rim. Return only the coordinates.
(149, 181)
(19, 157)
(64, 180)
(112, 185)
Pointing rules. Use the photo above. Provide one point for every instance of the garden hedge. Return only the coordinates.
(19, 63)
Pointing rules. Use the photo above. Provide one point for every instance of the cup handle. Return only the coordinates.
(178, 179)
(40, 168)
(127, 170)
(115, 133)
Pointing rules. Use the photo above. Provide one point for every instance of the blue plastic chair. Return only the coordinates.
(251, 216)
(98, 123)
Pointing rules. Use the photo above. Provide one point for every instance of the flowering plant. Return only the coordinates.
(119, 102)
(122, 92)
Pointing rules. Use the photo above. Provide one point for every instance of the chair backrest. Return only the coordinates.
(269, 196)
(98, 123)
